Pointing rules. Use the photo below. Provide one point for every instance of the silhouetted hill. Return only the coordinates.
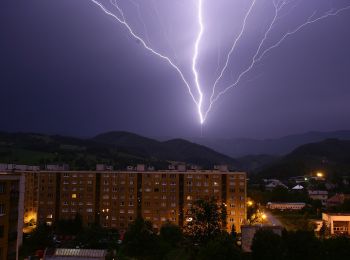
(122, 138)
(331, 156)
(117, 148)
(280, 146)
(255, 163)
(175, 149)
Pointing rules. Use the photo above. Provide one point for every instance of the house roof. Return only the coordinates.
(298, 187)
(91, 253)
(338, 198)
(318, 192)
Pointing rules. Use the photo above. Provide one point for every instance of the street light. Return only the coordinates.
(250, 203)
(319, 174)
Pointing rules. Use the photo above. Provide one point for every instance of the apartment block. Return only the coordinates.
(48, 197)
(160, 197)
(78, 193)
(116, 198)
(11, 214)
(30, 200)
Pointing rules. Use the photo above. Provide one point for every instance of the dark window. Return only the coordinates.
(2, 209)
(2, 187)
(1, 231)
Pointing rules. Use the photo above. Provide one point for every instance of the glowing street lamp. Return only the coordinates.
(319, 174)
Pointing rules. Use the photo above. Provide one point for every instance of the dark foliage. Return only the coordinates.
(303, 245)
(222, 247)
(299, 245)
(140, 241)
(69, 226)
(171, 234)
(208, 221)
(268, 245)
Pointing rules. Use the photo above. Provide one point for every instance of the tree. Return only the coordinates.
(268, 245)
(233, 232)
(207, 220)
(222, 247)
(337, 248)
(303, 245)
(140, 241)
(252, 213)
(69, 226)
(171, 234)
(40, 238)
(324, 230)
(97, 237)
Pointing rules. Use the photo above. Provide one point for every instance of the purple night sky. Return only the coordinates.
(68, 68)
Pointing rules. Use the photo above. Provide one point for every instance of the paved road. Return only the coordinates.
(272, 219)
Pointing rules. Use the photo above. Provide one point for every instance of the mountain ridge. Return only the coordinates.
(331, 156)
(117, 148)
(179, 149)
(240, 147)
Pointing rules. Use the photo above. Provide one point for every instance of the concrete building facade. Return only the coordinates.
(11, 214)
(116, 198)
(321, 195)
(286, 205)
(337, 223)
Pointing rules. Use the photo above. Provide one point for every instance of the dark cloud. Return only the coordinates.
(67, 68)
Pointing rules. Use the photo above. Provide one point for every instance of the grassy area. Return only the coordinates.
(23, 156)
(293, 221)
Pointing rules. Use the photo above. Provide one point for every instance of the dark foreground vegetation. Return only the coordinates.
(204, 237)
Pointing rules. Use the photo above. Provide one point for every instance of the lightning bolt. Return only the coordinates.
(166, 58)
(308, 22)
(141, 20)
(232, 49)
(257, 58)
(195, 59)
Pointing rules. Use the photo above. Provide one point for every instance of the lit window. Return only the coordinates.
(74, 196)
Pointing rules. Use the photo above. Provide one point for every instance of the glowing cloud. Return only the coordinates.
(277, 5)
